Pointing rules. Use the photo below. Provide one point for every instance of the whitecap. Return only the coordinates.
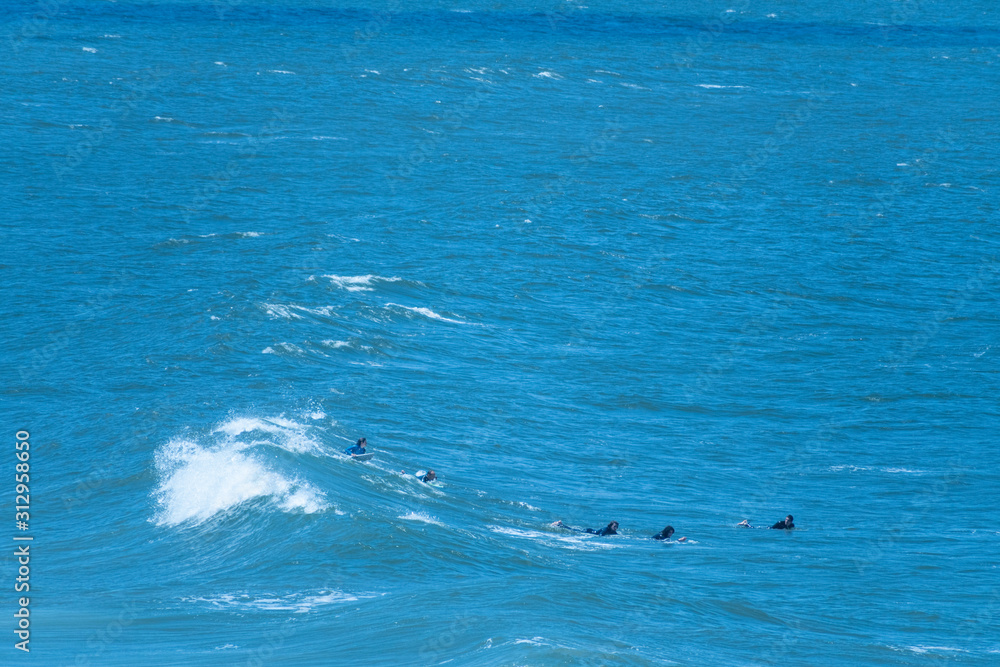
(358, 283)
(547, 75)
(427, 312)
(299, 603)
(196, 483)
(420, 516)
(278, 311)
(280, 71)
(89, 49)
(335, 343)
(572, 541)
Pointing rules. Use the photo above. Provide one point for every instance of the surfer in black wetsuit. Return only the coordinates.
(428, 476)
(666, 533)
(610, 529)
(359, 448)
(786, 524)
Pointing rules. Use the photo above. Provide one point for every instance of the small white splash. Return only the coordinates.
(288, 348)
(335, 343)
(220, 63)
(420, 516)
(427, 312)
(111, 36)
(317, 415)
(298, 603)
(89, 49)
(280, 71)
(547, 75)
(226, 647)
(213, 317)
(278, 311)
(358, 283)
(321, 137)
(250, 235)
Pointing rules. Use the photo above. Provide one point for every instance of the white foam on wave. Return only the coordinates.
(712, 85)
(286, 348)
(299, 603)
(321, 137)
(547, 75)
(358, 283)
(574, 541)
(335, 343)
(420, 516)
(279, 311)
(325, 311)
(198, 481)
(280, 71)
(427, 312)
(89, 49)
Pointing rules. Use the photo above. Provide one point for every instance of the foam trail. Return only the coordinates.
(427, 312)
(358, 283)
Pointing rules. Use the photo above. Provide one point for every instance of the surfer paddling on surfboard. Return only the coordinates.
(425, 477)
(610, 529)
(357, 449)
(781, 525)
(666, 533)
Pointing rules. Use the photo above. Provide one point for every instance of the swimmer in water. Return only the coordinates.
(428, 476)
(358, 448)
(787, 524)
(610, 529)
(666, 533)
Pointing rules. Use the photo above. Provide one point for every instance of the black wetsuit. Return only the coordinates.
(662, 536)
(783, 525)
(607, 530)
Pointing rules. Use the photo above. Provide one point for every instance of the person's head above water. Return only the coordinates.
(430, 476)
(667, 532)
(613, 526)
(789, 519)
(361, 442)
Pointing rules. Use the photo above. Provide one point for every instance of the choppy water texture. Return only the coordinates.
(677, 264)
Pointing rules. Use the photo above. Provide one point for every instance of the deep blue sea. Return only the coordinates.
(682, 263)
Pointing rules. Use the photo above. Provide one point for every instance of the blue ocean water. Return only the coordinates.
(682, 263)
